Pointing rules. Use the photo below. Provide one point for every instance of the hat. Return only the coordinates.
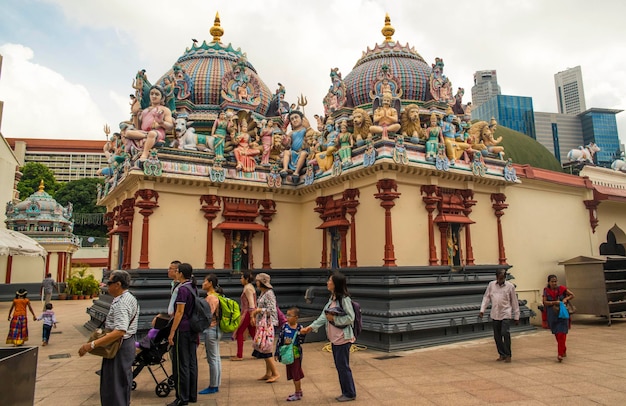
(265, 280)
(21, 292)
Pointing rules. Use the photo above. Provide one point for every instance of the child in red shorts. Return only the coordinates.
(290, 333)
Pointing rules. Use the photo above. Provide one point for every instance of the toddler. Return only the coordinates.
(290, 333)
(49, 320)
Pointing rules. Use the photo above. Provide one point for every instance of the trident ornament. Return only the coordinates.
(107, 131)
(302, 101)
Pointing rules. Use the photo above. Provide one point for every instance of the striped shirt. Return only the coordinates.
(123, 314)
(504, 304)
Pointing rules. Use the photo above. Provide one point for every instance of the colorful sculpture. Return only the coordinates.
(583, 154)
(481, 135)
(455, 149)
(411, 125)
(267, 140)
(239, 248)
(336, 96)
(346, 142)
(295, 148)
(244, 152)
(386, 116)
(399, 152)
(435, 137)
(361, 126)
(328, 146)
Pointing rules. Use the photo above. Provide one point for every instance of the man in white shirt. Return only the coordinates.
(504, 307)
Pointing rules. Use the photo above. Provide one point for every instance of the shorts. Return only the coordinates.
(294, 371)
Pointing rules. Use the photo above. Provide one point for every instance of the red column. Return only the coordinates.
(210, 207)
(431, 199)
(7, 278)
(350, 201)
(250, 251)
(227, 248)
(387, 197)
(343, 261)
(498, 205)
(48, 266)
(321, 204)
(109, 221)
(147, 204)
(443, 237)
(126, 219)
(468, 202)
(267, 211)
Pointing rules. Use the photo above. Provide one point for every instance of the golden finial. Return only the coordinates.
(217, 31)
(41, 186)
(388, 30)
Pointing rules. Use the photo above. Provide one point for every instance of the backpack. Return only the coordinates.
(357, 327)
(229, 314)
(201, 314)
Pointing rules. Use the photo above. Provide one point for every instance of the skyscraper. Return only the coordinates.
(485, 87)
(570, 94)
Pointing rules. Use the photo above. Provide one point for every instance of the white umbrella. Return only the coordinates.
(14, 243)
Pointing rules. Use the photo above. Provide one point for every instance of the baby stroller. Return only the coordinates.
(153, 347)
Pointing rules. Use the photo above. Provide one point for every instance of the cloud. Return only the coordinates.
(41, 103)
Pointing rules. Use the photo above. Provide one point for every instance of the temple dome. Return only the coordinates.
(39, 209)
(401, 61)
(206, 66)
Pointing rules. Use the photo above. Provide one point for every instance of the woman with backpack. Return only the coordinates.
(248, 304)
(212, 335)
(338, 318)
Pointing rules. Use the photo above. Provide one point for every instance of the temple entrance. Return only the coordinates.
(454, 252)
(335, 247)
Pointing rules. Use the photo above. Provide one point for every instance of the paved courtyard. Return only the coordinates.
(594, 373)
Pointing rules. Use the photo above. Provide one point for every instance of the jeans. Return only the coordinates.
(502, 336)
(212, 346)
(341, 355)
(46, 332)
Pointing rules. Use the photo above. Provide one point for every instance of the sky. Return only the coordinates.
(68, 65)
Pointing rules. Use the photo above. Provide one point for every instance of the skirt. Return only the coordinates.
(18, 331)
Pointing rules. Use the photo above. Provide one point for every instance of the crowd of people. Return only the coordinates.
(258, 313)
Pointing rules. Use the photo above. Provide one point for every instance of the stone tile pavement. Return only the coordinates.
(594, 373)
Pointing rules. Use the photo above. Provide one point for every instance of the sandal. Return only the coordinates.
(293, 397)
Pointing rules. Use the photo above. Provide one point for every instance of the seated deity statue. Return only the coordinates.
(454, 149)
(385, 117)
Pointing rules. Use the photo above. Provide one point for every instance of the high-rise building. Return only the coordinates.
(570, 94)
(514, 112)
(559, 133)
(485, 87)
(600, 127)
(67, 159)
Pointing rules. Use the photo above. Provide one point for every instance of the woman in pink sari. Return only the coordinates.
(248, 304)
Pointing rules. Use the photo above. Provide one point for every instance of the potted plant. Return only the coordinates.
(73, 287)
(91, 286)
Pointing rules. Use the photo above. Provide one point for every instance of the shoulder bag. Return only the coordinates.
(110, 350)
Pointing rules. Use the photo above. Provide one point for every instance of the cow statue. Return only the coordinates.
(186, 137)
(619, 165)
(583, 154)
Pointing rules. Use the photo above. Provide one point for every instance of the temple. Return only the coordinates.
(392, 183)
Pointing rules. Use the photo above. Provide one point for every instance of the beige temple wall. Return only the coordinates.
(612, 216)
(24, 269)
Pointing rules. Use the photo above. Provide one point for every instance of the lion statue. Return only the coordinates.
(362, 123)
(481, 134)
(410, 121)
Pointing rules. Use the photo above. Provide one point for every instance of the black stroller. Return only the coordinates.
(152, 351)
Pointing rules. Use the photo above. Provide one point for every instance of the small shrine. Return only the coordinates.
(44, 220)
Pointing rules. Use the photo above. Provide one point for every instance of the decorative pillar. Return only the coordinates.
(468, 202)
(321, 204)
(498, 205)
(387, 197)
(228, 244)
(443, 237)
(431, 199)
(127, 214)
(47, 270)
(210, 207)
(60, 263)
(267, 211)
(147, 204)
(592, 206)
(350, 202)
(250, 251)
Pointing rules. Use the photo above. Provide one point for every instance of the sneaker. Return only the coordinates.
(209, 390)
(344, 398)
(44, 343)
(294, 397)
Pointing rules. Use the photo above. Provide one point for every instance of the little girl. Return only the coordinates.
(49, 320)
(290, 333)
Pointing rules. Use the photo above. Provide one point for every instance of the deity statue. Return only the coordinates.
(481, 134)
(295, 148)
(455, 149)
(328, 146)
(336, 96)
(219, 131)
(346, 142)
(244, 152)
(411, 125)
(238, 249)
(457, 107)
(142, 88)
(267, 135)
(168, 88)
(183, 84)
(154, 121)
(385, 117)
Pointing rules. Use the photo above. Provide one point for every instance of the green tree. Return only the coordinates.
(33, 174)
(83, 194)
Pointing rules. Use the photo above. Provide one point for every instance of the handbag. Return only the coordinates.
(563, 313)
(110, 350)
(570, 307)
(264, 335)
(286, 352)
